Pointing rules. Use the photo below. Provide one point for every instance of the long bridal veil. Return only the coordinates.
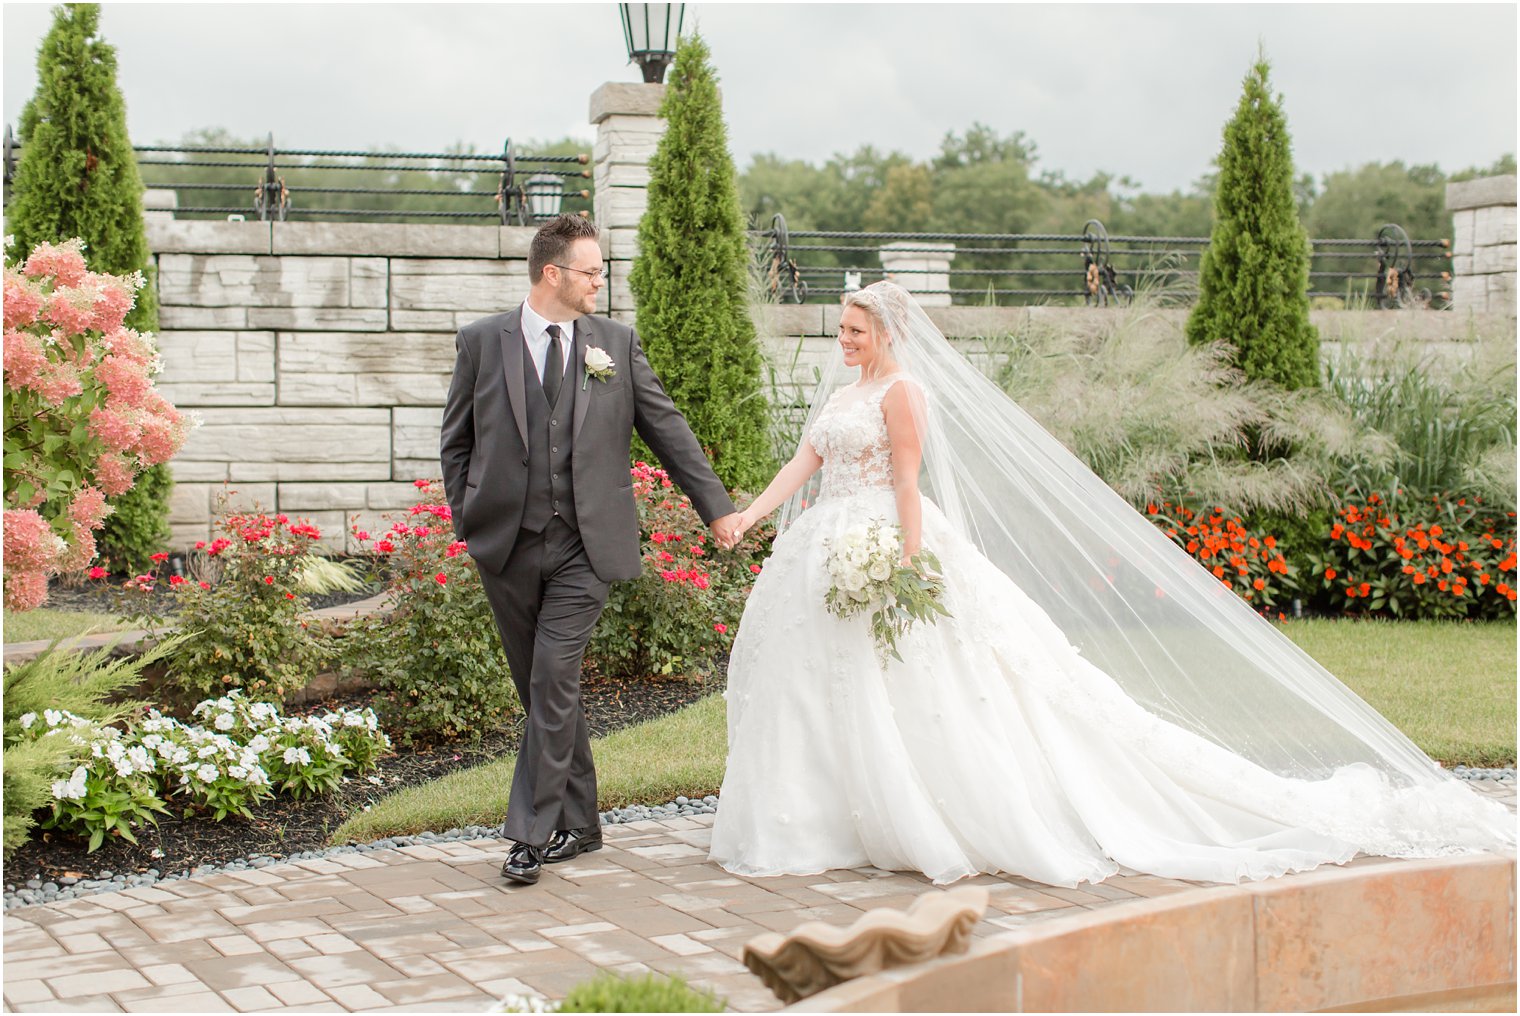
(1137, 606)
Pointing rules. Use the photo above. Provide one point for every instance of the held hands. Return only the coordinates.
(730, 529)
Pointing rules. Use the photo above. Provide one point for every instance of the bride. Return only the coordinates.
(1095, 700)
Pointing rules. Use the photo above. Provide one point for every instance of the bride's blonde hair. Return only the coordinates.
(886, 302)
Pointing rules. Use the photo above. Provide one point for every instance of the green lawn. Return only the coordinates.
(44, 623)
(1450, 687)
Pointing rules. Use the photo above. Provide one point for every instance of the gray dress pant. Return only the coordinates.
(547, 601)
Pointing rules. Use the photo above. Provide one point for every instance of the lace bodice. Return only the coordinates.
(850, 435)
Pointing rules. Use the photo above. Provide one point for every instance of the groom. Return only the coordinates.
(535, 448)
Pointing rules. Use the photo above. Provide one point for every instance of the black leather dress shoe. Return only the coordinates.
(568, 843)
(524, 864)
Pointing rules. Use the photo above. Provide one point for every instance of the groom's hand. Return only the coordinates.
(727, 530)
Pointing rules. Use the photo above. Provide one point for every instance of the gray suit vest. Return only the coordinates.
(550, 486)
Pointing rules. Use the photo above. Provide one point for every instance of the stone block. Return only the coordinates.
(348, 353)
(415, 434)
(1463, 225)
(232, 280)
(1340, 938)
(621, 206)
(1494, 226)
(622, 245)
(314, 389)
(368, 279)
(190, 503)
(621, 174)
(275, 472)
(633, 140)
(392, 496)
(170, 316)
(513, 241)
(1483, 192)
(333, 526)
(1501, 294)
(1462, 264)
(191, 394)
(416, 469)
(348, 319)
(423, 320)
(185, 535)
(395, 239)
(170, 236)
(620, 98)
(198, 472)
(479, 287)
(1493, 259)
(402, 389)
(1470, 293)
(205, 356)
(308, 497)
(279, 435)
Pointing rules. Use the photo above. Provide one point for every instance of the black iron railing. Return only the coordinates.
(270, 183)
(1388, 270)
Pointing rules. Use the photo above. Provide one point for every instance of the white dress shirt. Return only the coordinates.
(535, 329)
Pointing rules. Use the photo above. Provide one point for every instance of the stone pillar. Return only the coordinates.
(628, 128)
(1483, 244)
(920, 268)
(160, 203)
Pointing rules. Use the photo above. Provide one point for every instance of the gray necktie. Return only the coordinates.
(554, 367)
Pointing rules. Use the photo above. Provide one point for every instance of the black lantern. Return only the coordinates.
(651, 31)
(544, 196)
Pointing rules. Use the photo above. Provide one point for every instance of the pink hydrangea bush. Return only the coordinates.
(82, 418)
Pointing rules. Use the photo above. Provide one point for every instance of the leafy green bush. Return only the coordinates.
(246, 611)
(1253, 279)
(650, 993)
(63, 680)
(436, 658)
(690, 280)
(138, 526)
(1418, 557)
(677, 617)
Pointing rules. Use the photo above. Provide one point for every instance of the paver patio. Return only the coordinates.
(435, 927)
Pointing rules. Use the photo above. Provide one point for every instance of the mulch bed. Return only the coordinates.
(284, 826)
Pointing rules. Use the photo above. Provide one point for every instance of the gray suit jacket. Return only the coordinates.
(485, 443)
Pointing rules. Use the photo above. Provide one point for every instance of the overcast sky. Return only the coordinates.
(1137, 90)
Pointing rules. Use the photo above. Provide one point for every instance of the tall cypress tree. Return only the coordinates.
(690, 280)
(1253, 281)
(78, 177)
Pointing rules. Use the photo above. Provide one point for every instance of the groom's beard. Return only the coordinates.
(581, 300)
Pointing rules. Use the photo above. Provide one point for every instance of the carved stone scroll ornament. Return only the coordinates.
(816, 956)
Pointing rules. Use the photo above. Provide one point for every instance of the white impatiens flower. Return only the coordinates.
(259, 744)
(27, 719)
(208, 773)
(297, 756)
(205, 751)
(71, 789)
(225, 721)
(238, 773)
(139, 759)
(53, 716)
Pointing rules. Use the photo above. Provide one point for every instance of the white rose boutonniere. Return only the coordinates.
(598, 365)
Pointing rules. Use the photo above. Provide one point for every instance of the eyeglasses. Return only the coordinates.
(595, 274)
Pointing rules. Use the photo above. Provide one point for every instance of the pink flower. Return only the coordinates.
(205, 585)
(361, 535)
(25, 358)
(70, 309)
(24, 590)
(721, 628)
(290, 596)
(667, 556)
(117, 431)
(441, 579)
(456, 548)
(420, 484)
(268, 580)
(23, 302)
(670, 576)
(126, 380)
(79, 552)
(385, 546)
(63, 262)
(115, 476)
(218, 545)
(88, 510)
(128, 345)
(176, 580)
(59, 381)
(755, 568)
(98, 572)
(700, 581)
(30, 543)
(160, 439)
(113, 299)
(160, 558)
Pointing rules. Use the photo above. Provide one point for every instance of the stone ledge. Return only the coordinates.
(1485, 192)
(626, 98)
(1376, 935)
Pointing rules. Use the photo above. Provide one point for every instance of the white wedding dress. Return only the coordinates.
(994, 745)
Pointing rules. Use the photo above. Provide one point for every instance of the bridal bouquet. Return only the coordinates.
(864, 566)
